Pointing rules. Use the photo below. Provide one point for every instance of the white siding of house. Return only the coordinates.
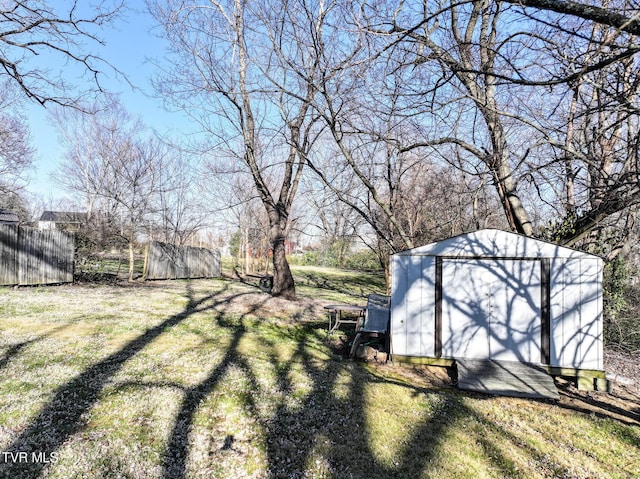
(46, 225)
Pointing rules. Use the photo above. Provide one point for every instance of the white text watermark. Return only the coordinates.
(24, 457)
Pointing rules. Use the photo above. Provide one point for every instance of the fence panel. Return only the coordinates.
(167, 261)
(29, 256)
(8, 254)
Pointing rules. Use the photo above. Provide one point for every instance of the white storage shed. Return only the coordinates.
(497, 295)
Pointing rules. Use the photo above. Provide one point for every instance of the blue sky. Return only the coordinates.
(129, 46)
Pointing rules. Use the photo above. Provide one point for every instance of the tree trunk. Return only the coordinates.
(283, 283)
(514, 209)
(498, 164)
(247, 252)
(131, 255)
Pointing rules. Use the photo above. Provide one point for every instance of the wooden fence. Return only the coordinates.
(29, 256)
(167, 261)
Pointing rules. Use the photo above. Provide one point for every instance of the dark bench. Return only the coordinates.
(376, 321)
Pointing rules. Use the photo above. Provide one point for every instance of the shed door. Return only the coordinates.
(491, 309)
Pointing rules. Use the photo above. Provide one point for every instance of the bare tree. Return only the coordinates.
(454, 81)
(605, 15)
(224, 79)
(600, 150)
(16, 154)
(499, 98)
(115, 166)
(177, 211)
(331, 223)
(61, 32)
(463, 42)
(546, 114)
(234, 198)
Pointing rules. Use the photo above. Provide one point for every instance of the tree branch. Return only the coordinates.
(604, 16)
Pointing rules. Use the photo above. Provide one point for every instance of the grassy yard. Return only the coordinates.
(213, 379)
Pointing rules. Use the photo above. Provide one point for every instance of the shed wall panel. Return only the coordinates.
(420, 274)
(565, 311)
(591, 319)
(399, 287)
(492, 309)
(465, 309)
(428, 302)
(516, 311)
(576, 314)
(413, 306)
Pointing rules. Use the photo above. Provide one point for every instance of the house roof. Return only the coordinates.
(492, 243)
(64, 216)
(7, 216)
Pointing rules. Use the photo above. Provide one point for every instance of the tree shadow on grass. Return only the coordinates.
(322, 428)
(331, 431)
(177, 451)
(15, 349)
(64, 414)
(318, 426)
(364, 283)
(332, 424)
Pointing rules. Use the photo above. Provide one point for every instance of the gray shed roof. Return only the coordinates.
(490, 243)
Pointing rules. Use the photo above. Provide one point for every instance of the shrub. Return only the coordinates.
(363, 260)
(621, 307)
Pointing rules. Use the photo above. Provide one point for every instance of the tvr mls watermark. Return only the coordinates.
(24, 457)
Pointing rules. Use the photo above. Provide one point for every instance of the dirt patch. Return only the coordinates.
(622, 402)
(623, 370)
(240, 298)
(422, 376)
(264, 305)
(340, 345)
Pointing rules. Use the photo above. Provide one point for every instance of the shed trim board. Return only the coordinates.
(545, 301)
(498, 295)
(438, 312)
